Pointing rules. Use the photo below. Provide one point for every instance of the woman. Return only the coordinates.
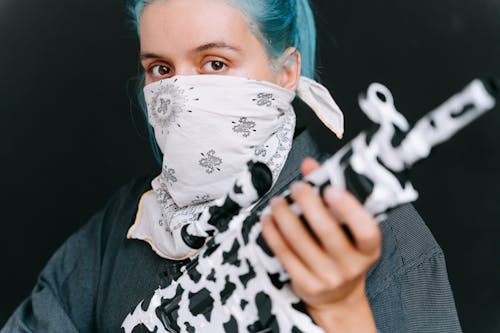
(118, 259)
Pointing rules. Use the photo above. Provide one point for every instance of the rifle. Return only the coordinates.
(234, 283)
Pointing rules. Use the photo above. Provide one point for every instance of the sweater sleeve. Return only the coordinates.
(409, 289)
(64, 297)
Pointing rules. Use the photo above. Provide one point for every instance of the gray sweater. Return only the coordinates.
(98, 275)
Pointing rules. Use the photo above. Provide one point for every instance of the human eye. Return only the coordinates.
(214, 66)
(159, 71)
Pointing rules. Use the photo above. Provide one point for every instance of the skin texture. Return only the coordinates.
(328, 276)
(180, 37)
(195, 37)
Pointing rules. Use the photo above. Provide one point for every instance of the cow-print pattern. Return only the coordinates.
(235, 284)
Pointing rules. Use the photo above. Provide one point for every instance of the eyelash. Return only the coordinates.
(224, 64)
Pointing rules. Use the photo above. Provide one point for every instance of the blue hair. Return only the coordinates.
(279, 24)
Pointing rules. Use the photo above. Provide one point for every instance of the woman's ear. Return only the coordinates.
(289, 69)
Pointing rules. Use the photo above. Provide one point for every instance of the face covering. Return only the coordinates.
(208, 127)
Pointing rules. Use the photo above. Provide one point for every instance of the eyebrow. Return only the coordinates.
(216, 45)
(201, 48)
(148, 55)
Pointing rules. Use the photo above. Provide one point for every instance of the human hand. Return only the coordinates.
(329, 275)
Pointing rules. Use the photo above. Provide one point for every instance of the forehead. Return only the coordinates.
(181, 24)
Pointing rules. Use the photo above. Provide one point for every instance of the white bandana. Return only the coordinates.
(208, 127)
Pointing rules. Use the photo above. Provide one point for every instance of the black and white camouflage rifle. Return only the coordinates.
(235, 284)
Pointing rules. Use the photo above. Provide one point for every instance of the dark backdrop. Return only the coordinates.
(69, 135)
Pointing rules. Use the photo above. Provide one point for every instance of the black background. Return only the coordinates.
(69, 135)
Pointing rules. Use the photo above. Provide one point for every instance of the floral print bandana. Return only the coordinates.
(208, 127)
